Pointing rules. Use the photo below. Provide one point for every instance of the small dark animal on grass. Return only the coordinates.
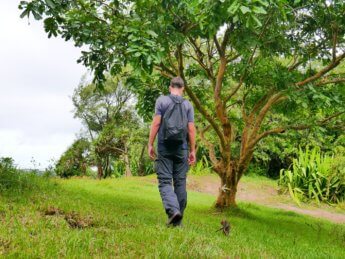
(225, 227)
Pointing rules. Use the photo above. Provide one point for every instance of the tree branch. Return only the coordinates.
(272, 100)
(210, 147)
(259, 104)
(295, 65)
(334, 45)
(332, 81)
(165, 68)
(200, 59)
(164, 72)
(209, 55)
(323, 71)
(225, 40)
(217, 44)
(196, 100)
(249, 61)
(294, 127)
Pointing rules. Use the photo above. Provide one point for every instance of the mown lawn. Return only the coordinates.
(125, 218)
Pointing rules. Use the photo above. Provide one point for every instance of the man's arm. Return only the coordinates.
(153, 132)
(191, 134)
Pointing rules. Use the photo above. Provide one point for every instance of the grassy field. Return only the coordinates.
(80, 218)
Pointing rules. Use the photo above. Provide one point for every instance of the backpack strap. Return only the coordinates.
(178, 102)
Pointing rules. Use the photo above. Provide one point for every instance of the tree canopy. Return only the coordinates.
(252, 68)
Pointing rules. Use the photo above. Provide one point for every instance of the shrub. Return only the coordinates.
(13, 180)
(315, 176)
(74, 161)
(202, 167)
(8, 174)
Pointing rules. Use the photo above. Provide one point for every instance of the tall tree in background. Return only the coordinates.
(116, 139)
(98, 109)
(244, 62)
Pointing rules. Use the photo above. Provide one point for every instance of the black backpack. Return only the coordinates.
(175, 122)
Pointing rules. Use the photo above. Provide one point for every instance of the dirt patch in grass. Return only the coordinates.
(5, 245)
(73, 219)
(50, 211)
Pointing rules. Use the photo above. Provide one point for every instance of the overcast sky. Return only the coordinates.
(37, 76)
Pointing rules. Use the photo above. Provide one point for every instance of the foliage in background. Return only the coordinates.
(115, 134)
(202, 167)
(16, 181)
(101, 112)
(75, 160)
(277, 152)
(316, 176)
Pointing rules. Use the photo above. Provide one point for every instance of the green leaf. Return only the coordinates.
(36, 15)
(152, 33)
(50, 3)
(248, 23)
(235, 19)
(256, 20)
(24, 13)
(293, 196)
(233, 7)
(259, 10)
(264, 3)
(245, 9)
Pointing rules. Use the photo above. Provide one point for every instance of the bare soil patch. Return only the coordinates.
(73, 219)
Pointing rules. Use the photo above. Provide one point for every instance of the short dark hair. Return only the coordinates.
(177, 82)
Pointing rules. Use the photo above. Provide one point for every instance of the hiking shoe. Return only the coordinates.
(176, 217)
(178, 224)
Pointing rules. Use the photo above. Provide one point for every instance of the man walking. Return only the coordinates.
(174, 123)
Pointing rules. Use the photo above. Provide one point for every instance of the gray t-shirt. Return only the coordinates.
(162, 104)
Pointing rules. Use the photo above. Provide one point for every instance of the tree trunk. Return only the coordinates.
(107, 167)
(141, 161)
(227, 190)
(83, 168)
(100, 170)
(126, 158)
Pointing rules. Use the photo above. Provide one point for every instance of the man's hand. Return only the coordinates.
(191, 134)
(151, 151)
(153, 132)
(191, 159)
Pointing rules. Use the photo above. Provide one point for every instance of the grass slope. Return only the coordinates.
(129, 221)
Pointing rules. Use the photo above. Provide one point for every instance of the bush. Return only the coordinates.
(315, 176)
(14, 180)
(202, 167)
(8, 174)
(74, 161)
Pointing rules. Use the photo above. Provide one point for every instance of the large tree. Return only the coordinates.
(244, 62)
(103, 112)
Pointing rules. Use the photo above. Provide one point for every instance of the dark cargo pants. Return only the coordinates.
(171, 168)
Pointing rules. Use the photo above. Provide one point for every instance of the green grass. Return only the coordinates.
(129, 221)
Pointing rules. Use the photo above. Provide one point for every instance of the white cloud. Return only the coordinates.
(24, 148)
(37, 77)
